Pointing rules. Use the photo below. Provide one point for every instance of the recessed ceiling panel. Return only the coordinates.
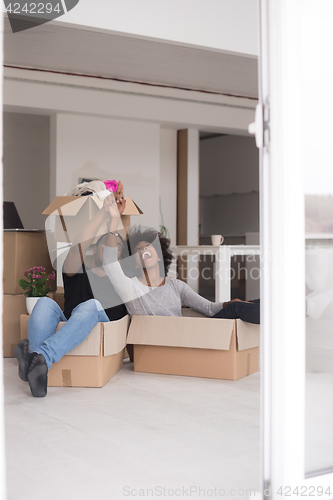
(56, 47)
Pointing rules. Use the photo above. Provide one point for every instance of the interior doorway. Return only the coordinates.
(229, 205)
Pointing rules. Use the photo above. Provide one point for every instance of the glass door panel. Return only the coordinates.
(295, 132)
(317, 75)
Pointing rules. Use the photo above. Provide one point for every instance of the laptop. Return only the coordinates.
(11, 218)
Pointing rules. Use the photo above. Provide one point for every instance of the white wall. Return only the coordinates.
(229, 25)
(26, 166)
(229, 185)
(168, 180)
(101, 148)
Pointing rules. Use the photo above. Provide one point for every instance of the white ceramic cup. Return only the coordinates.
(217, 240)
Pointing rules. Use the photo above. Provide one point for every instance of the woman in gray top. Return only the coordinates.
(150, 292)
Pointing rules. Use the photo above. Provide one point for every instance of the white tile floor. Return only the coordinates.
(145, 431)
(319, 394)
(140, 431)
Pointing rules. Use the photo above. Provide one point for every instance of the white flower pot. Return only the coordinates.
(30, 303)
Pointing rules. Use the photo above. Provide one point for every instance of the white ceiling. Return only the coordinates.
(62, 48)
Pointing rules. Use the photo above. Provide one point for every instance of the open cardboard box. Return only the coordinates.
(73, 212)
(195, 346)
(92, 363)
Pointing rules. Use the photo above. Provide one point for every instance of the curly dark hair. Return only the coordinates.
(159, 242)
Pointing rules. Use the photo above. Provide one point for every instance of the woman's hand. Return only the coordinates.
(118, 198)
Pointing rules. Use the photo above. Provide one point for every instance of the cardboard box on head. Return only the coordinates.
(72, 213)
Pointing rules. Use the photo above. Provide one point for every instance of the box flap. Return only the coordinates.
(91, 346)
(115, 334)
(202, 333)
(248, 335)
(96, 200)
(69, 205)
(131, 208)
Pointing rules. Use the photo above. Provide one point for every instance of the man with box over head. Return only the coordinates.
(90, 298)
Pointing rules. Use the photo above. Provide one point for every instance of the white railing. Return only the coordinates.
(223, 255)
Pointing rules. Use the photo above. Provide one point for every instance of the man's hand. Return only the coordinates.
(120, 192)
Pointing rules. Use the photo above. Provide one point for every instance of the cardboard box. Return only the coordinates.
(23, 250)
(73, 212)
(194, 346)
(13, 307)
(92, 363)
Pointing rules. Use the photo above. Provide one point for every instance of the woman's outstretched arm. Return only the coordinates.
(191, 299)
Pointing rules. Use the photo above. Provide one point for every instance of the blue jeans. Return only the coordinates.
(44, 320)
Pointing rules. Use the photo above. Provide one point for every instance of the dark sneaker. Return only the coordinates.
(37, 375)
(23, 356)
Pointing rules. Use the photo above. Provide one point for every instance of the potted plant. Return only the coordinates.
(34, 285)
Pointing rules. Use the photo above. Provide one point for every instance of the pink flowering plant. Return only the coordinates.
(35, 283)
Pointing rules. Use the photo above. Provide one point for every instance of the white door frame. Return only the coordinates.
(283, 254)
(3, 491)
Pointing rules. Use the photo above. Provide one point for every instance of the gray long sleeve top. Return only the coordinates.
(166, 300)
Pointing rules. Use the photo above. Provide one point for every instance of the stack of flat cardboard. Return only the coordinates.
(22, 250)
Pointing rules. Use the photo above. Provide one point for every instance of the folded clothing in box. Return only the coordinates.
(92, 363)
(194, 346)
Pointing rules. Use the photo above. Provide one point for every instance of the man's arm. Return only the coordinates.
(84, 239)
(113, 210)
